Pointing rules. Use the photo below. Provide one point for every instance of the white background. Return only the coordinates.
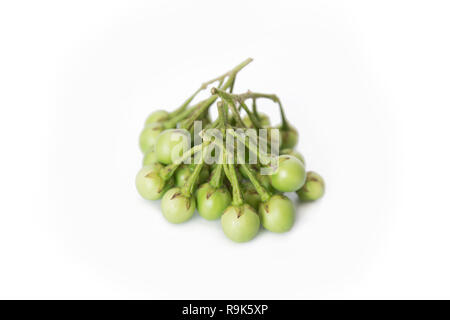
(365, 82)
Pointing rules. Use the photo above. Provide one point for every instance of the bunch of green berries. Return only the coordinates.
(211, 170)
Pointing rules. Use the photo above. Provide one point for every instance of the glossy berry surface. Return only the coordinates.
(240, 224)
(290, 174)
(277, 214)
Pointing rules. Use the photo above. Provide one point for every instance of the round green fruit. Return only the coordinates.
(294, 153)
(289, 138)
(313, 189)
(290, 174)
(149, 184)
(240, 224)
(157, 116)
(171, 144)
(149, 157)
(211, 202)
(176, 207)
(149, 135)
(277, 214)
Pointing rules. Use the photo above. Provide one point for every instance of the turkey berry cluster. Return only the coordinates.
(244, 195)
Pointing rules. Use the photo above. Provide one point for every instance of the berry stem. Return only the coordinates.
(237, 194)
(167, 172)
(228, 99)
(265, 195)
(255, 95)
(216, 178)
(188, 188)
(250, 146)
(231, 73)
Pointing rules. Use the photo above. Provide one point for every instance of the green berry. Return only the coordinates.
(157, 116)
(149, 184)
(149, 135)
(182, 175)
(294, 153)
(250, 195)
(176, 207)
(289, 138)
(290, 174)
(240, 224)
(313, 189)
(149, 157)
(264, 120)
(277, 214)
(171, 144)
(211, 202)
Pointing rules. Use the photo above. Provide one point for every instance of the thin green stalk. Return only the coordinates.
(188, 188)
(204, 85)
(167, 172)
(237, 194)
(185, 104)
(251, 147)
(273, 97)
(264, 194)
(255, 109)
(217, 176)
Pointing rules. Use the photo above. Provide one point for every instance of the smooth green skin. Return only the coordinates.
(149, 136)
(263, 119)
(182, 175)
(157, 116)
(277, 214)
(294, 153)
(184, 172)
(269, 136)
(289, 138)
(313, 189)
(204, 173)
(149, 157)
(211, 202)
(290, 175)
(149, 184)
(170, 145)
(176, 207)
(250, 194)
(240, 224)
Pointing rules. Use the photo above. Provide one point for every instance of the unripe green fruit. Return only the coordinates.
(176, 207)
(211, 202)
(204, 173)
(313, 189)
(149, 184)
(171, 144)
(289, 138)
(263, 119)
(157, 116)
(290, 174)
(149, 135)
(277, 214)
(276, 135)
(294, 153)
(251, 196)
(149, 157)
(182, 175)
(240, 224)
